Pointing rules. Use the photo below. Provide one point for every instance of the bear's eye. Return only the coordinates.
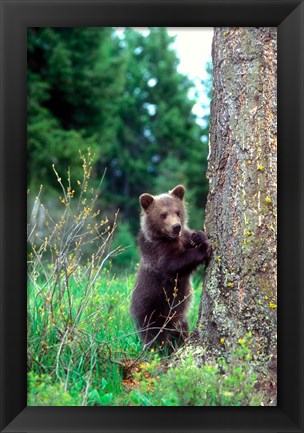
(177, 213)
(164, 215)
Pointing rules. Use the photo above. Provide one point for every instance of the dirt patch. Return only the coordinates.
(132, 369)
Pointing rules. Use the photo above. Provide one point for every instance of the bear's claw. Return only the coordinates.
(192, 243)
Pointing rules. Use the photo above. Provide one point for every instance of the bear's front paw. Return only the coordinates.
(197, 239)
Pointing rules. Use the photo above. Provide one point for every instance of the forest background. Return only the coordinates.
(120, 94)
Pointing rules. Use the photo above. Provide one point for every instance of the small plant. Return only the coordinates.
(188, 384)
(42, 392)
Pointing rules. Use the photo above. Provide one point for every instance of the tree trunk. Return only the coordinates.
(240, 293)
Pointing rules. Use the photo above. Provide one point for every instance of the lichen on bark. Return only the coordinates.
(240, 290)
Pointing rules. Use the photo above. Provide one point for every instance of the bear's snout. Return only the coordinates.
(176, 228)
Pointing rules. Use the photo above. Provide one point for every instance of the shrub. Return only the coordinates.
(188, 384)
(42, 392)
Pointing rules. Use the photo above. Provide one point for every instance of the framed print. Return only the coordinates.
(55, 99)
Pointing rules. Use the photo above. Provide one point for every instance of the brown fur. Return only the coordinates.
(170, 252)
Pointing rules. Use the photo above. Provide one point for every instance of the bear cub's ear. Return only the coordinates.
(145, 200)
(178, 191)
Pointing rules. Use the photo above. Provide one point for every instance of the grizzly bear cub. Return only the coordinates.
(170, 251)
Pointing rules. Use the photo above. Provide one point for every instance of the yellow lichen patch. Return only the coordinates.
(267, 200)
(260, 167)
(272, 305)
(230, 285)
(228, 393)
(222, 340)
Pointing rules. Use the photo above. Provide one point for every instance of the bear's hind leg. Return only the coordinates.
(152, 331)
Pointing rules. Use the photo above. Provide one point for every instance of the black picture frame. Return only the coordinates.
(16, 16)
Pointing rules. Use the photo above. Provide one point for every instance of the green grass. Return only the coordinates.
(86, 353)
(96, 358)
(83, 348)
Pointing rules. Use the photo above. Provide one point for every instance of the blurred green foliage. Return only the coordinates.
(120, 94)
(128, 256)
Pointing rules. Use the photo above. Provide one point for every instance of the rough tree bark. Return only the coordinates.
(240, 293)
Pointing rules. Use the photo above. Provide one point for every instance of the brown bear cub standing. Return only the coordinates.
(170, 251)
